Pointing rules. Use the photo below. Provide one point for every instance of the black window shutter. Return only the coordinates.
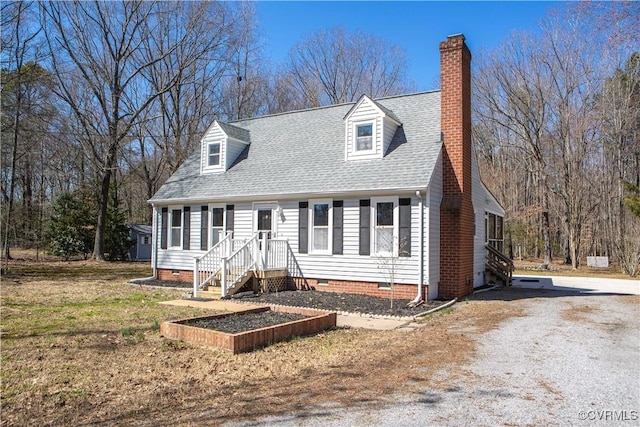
(204, 228)
(365, 227)
(303, 227)
(404, 238)
(186, 228)
(230, 217)
(337, 227)
(163, 228)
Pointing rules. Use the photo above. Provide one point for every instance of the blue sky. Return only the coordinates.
(416, 26)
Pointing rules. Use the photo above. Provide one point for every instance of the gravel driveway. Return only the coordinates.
(572, 359)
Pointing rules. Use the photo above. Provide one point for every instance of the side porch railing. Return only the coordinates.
(500, 264)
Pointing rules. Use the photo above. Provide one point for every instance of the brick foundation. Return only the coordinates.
(179, 276)
(400, 291)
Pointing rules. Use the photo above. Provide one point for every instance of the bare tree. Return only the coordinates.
(107, 49)
(334, 66)
(19, 45)
(510, 102)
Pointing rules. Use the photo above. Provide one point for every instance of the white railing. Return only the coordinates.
(207, 266)
(230, 260)
(234, 267)
(275, 257)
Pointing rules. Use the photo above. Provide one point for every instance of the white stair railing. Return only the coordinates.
(207, 266)
(238, 264)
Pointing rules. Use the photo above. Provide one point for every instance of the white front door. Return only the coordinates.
(265, 220)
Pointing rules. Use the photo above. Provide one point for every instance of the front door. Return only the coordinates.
(265, 220)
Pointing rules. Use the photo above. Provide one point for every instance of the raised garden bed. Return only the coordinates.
(311, 322)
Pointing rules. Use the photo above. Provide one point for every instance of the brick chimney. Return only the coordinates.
(456, 211)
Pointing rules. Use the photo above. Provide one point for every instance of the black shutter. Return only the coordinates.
(163, 228)
(186, 227)
(337, 227)
(404, 238)
(303, 227)
(365, 227)
(204, 228)
(230, 217)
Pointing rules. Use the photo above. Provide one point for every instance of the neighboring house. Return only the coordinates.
(142, 236)
(328, 195)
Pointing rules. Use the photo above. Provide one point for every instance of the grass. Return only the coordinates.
(80, 346)
(530, 267)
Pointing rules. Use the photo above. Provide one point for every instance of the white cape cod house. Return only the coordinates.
(336, 198)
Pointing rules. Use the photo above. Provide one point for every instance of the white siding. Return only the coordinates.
(350, 266)
(389, 131)
(365, 112)
(178, 258)
(214, 134)
(233, 150)
(483, 202)
(432, 254)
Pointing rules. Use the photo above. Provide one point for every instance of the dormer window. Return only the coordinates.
(364, 137)
(214, 154)
(369, 129)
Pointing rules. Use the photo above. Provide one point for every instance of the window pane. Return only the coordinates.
(264, 220)
(321, 238)
(364, 143)
(384, 239)
(217, 217)
(492, 226)
(365, 130)
(214, 154)
(215, 235)
(175, 236)
(384, 215)
(176, 218)
(321, 215)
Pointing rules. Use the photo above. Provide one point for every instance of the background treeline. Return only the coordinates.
(102, 101)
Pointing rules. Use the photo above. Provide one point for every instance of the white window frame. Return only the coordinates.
(172, 245)
(374, 226)
(329, 226)
(372, 123)
(209, 145)
(224, 222)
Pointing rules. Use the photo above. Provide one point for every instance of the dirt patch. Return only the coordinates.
(579, 313)
(88, 350)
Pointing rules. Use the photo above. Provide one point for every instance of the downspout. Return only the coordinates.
(419, 298)
(154, 252)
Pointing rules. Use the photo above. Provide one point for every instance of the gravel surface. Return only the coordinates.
(236, 323)
(572, 359)
(341, 302)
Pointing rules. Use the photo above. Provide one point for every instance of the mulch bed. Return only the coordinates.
(236, 323)
(349, 303)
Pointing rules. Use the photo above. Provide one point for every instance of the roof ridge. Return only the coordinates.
(302, 110)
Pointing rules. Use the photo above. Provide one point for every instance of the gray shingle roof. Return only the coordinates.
(303, 152)
(235, 132)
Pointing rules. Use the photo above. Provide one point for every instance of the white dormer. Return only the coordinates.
(369, 129)
(221, 145)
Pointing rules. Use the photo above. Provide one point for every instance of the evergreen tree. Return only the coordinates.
(70, 229)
